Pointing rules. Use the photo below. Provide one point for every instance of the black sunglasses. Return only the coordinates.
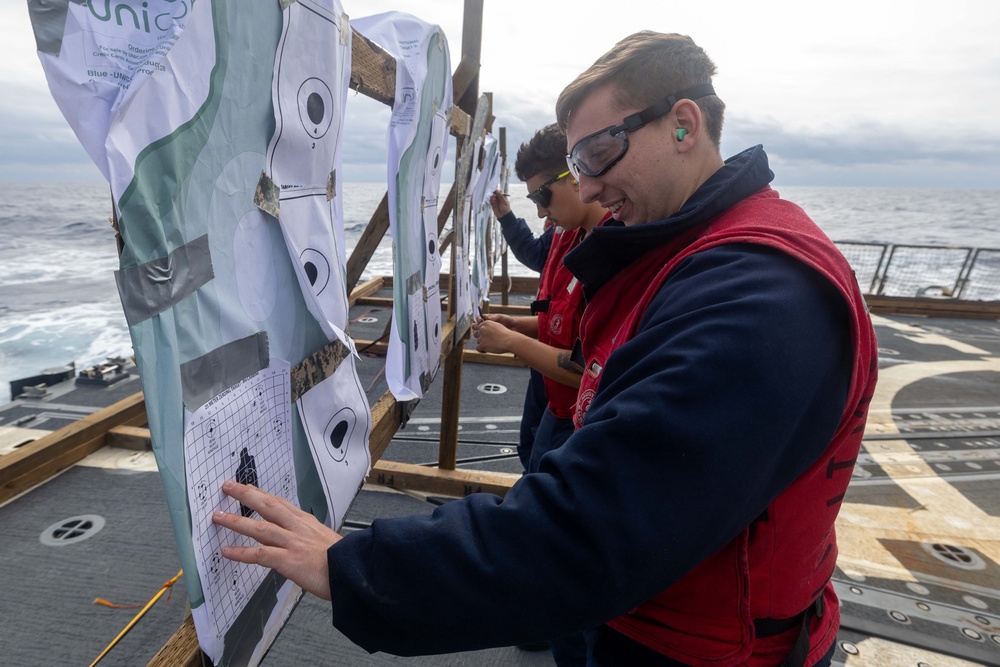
(543, 195)
(596, 153)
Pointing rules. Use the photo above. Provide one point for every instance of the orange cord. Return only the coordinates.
(166, 587)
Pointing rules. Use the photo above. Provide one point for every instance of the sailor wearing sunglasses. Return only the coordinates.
(545, 339)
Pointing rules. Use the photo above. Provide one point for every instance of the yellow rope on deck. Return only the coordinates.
(138, 616)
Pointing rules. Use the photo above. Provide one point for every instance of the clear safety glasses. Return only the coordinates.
(596, 153)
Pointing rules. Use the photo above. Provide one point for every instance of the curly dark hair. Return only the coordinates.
(544, 153)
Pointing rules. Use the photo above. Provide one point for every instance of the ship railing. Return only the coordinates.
(924, 271)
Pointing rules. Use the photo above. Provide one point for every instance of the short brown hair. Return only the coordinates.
(544, 153)
(646, 67)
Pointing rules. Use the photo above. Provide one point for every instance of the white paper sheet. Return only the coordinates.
(242, 434)
(417, 142)
(338, 423)
(113, 51)
(487, 180)
(312, 70)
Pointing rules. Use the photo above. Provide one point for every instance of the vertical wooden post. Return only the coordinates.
(370, 238)
(472, 48)
(451, 393)
(451, 374)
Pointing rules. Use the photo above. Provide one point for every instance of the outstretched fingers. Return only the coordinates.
(291, 541)
(271, 508)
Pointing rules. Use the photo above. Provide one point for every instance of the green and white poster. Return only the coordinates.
(217, 124)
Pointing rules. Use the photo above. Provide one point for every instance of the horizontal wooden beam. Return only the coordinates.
(181, 650)
(425, 479)
(365, 290)
(377, 301)
(500, 309)
(518, 285)
(130, 437)
(908, 305)
(477, 357)
(495, 308)
(373, 70)
(39, 460)
(387, 416)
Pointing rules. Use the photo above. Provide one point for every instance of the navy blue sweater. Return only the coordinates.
(733, 385)
(530, 250)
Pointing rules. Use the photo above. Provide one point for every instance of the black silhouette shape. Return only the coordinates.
(246, 473)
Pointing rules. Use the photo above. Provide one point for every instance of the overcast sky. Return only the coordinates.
(872, 93)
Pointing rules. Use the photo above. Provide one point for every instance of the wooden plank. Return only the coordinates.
(906, 305)
(459, 123)
(506, 359)
(377, 301)
(365, 290)
(139, 419)
(445, 243)
(373, 70)
(523, 311)
(37, 461)
(386, 302)
(387, 413)
(472, 47)
(411, 477)
(370, 238)
(130, 437)
(517, 285)
(465, 75)
(378, 348)
(468, 356)
(451, 393)
(387, 416)
(50, 467)
(181, 650)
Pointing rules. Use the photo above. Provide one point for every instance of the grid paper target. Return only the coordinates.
(243, 434)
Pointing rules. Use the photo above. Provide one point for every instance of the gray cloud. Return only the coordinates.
(39, 146)
(872, 154)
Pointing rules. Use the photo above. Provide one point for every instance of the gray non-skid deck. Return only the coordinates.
(918, 575)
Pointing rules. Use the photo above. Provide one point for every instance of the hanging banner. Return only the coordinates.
(217, 124)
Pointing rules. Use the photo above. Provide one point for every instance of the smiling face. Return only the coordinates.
(648, 182)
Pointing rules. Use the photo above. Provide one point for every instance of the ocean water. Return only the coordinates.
(59, 302)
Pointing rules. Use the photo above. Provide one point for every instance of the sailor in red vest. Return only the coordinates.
(729, 361)
(545, 339)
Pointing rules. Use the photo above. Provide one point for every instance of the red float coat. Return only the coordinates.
(782, 562)
(559, 308)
